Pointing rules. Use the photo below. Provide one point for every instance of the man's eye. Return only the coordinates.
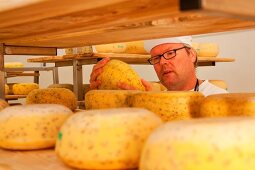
(170, 53)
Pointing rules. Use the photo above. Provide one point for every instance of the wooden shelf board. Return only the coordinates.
(31, 160)
(129, 58)
(73, 23)
(14, 97)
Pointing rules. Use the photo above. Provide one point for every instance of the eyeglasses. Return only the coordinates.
(167, 55)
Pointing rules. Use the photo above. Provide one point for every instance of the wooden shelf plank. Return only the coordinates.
(31, 160)
(129, 58)
(21, 69)
(70, 23)
(233, 7)
(14, 97)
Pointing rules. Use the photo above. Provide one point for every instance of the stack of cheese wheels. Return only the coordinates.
(201, 144)
(100, 99)
(111, 48)
(67, 86)
(28, 127)
(230, 104)
(13, 65)
(24, 88)
(168, 105)
(3, 104)
(116, 71)
(53, 96)
(106, 138)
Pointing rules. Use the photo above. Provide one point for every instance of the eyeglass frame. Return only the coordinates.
(162, 55)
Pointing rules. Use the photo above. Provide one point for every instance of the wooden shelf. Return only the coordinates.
(129, 58)
(74, 23)
(14, 97)
(31, 160)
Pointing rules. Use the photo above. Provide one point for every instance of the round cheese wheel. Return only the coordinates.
(13, 65)
(169, 105)
(53, 96)
(206, 49)
(111, 48)
(230, 104)
(100, 99)
(67, 86)
(24, 88)
(201, 144)
(105, 139)
(6, 89)
(26, 127)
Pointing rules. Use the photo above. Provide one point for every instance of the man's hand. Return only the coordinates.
(96, 71)
(124, 86)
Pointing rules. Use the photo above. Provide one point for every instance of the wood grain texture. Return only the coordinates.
(30, 160)
(14, 50)
(73, 23)
(234, 7)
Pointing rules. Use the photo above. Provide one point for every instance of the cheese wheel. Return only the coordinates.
(169, 105)
(111, 48)
(201, 144)
(116, 71)
(26, 127)
(220, 83)
(3, 104)
(24, 88)
(6, 89)
(105, 139)
(69, 51)
(53, 96)
(13, 65)
(67, 86)
(206, 49)
(100, 99)
(155, 86)
(135, 47)
(230, 104)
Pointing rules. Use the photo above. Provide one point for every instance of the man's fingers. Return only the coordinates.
(94, 85)
(125, 86)
(101, 63)
(95, 74)
(147, 85)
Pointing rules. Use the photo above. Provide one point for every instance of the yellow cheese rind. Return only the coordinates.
(111, 48)
(6, 89)
(13, 65)
(220, 83)
(24, 88)
(53, 96)
(101, 99)
(206, 49)
(3, 104)
(201, 144)
(169, 105)
(230, 104)
(67, 86)
(105, 139)
(26, 127)
(116, 71)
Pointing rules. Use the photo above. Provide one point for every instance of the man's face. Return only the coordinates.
(175, 72)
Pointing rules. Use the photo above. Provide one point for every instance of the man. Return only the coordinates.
(174, 61)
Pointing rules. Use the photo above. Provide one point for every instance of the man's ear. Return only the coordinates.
(193, 55)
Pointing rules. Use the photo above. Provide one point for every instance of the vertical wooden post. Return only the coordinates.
(2, 75)
(77, 80)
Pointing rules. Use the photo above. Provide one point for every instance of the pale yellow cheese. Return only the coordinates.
(206, 49)
(6, 89)
(69, 51)
(24, 88)
(116, 71)
(220, 83)
(201, 144)
(3, 104)
(105, 139)
(100, 99)
(111, 48)
(169, 105)
(53, 96)
(26, 127)
(135, 47)
(67, 86)
(13, 65)
(230, 104)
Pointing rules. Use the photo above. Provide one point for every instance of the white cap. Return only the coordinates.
(149, 44)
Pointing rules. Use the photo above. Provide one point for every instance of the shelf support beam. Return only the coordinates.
(2, 75)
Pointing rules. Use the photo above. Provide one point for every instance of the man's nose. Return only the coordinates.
(163, 61)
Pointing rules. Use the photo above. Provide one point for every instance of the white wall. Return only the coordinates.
(240, 75)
